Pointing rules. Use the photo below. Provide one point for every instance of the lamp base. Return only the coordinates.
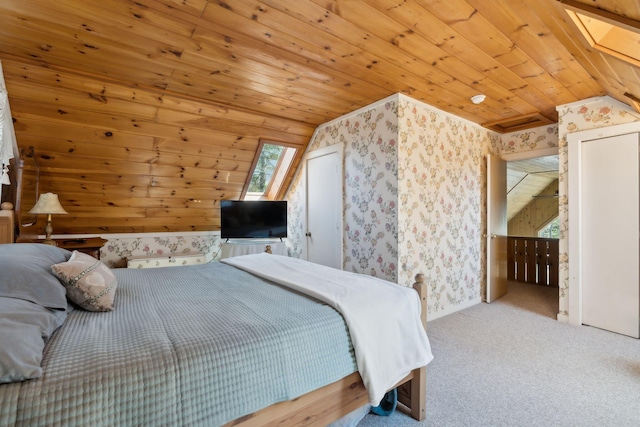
(48, 241)
(48, 230)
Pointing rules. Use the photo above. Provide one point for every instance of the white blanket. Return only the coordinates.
(383, 318)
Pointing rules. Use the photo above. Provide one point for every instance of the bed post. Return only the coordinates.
(6, 223)
(413, 394)
(421, 289)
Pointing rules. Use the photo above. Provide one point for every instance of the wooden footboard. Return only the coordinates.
(413, 394)
(332, 402)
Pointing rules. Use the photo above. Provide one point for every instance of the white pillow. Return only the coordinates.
(89, 283)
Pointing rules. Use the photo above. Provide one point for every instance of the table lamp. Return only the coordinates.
(48, 204)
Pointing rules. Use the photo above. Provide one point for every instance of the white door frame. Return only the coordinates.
(533, 154)
(496, 233)
(335, 148)
(574, 142)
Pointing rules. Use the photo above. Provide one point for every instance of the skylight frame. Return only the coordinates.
(278, 176)
(605, 31)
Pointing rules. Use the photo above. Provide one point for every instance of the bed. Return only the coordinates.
(195, 345)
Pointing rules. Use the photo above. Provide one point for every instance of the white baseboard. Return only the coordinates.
(453, 309)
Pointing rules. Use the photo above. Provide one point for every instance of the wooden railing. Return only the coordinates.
(533, 260)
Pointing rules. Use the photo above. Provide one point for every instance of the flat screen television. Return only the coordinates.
(251, 219)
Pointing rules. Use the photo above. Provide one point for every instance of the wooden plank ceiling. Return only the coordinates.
(145, 113)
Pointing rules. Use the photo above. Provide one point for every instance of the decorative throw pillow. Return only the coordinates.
(90, 283)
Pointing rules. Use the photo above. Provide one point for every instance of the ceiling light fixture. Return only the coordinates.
(477, 99)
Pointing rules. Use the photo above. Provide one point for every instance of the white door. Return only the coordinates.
(324, 206)
(610, 219)
(496, 227)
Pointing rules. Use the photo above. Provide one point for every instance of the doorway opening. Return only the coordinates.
(533, 228)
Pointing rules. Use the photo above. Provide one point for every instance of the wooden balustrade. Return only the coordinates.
(533, 260)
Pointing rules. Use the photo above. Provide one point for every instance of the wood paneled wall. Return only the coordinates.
(145, 113)
(132, 159)
(536, 214)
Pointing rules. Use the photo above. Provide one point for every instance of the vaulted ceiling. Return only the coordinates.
(145, 113)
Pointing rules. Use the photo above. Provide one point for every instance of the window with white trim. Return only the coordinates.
(268, 171)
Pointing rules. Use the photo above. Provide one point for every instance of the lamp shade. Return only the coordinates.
(48, 203)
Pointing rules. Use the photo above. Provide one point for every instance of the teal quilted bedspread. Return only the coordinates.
(194, 345)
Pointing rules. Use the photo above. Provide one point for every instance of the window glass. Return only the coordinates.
(551, 230)
(265, 167)
(269, 171)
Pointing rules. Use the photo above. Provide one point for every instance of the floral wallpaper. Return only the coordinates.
(529, 140)
(589, 114)
(442, 204)
(118, 248)
(369, 139)
(296, 203)
(414, 181)
(371, 193)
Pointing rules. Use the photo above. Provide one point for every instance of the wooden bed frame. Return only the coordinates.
(6, 223)
(319, 407)
(23, 230)
(332, 402)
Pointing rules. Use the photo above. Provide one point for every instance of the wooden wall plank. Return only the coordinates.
(177, 130)
(74, 53)
(221, 124)
(212, 144)
(83, 150)
(66, 162)
(536, 214)
(90, 101)
(137, 202)
(149, 105)
(192, 7)
(32, 127)
(231, 193)
(93, 191)
(48, 179)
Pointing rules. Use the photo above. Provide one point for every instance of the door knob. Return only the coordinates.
(308, 234)
(493, 236)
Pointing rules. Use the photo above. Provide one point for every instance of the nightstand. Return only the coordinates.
(89, 245)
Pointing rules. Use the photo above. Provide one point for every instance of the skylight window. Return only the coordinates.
(607, 32)
(269, 169)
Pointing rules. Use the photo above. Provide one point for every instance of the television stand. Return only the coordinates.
(251, 246)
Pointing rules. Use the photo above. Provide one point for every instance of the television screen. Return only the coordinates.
(249, 219)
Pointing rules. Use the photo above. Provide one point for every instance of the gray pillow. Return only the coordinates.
(26, 273)
(24, 329)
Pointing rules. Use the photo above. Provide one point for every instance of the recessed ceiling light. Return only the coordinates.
(477, 99)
